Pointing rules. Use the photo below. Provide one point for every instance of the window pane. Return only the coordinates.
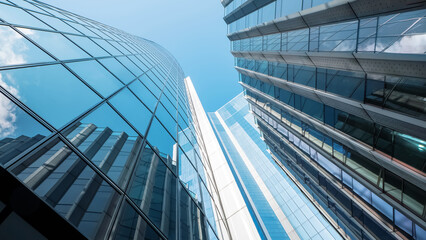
(158, 137)
(97, 76)
(83, 197)
(15, 49)
(132, 226)
(18, 130)
(132, 109)
(144, 94)
(56, 98)
(118, 69)
(56, 44)
(154, 191)
(88, 46)
(19, 16)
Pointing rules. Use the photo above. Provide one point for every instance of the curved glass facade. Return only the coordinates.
(96, 123)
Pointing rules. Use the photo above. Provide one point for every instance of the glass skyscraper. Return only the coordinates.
(278, 207)
(96, 137)
(338, 90)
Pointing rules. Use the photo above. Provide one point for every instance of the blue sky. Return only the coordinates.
(192, 30)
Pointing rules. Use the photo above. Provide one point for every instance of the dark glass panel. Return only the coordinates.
(153, 189)
(410, 150)
(393, 185)
(414, 198)
(384, 140)
(131, 225)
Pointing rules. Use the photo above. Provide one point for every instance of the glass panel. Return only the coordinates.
(133, 226)
(97, 76)
(144, 94)
(164, 116)
(403, 222)
(108, 47)
(19, 16)
(189, 176)
(83, 198)
(131, 66)
(88, 46)
(55, 98)
(393, 185)
(159, 138)
(382, 206)
(406, 95)
(132, 109)
(56, 23)
(410, 150)
(153, 190)
(118, 69)
(56, 44)
(150, 85)
(15, 49)
(414, 198)
(365, 167)
(18, 131)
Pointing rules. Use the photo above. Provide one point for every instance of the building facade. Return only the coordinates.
(338, 91)
(280, 208)
(96, 137)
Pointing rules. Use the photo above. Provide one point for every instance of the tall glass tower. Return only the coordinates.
(280, 208)
(96, 137)
(338, 89)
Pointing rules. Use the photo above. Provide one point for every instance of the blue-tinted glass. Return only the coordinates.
(19, 16)
(144, 94)
(25, 4)
(164, 116)
(131, 66)
(18, 131)
(158, 137)
(56, 23)
(97, 76)
(56, 44)
(107, 46)
(132, 109)
(290, 6)
(150, 85)
(403, 222)
(154, 190)
(60, 96)
(49, 177)
(88, 45)
(118, 69)
(15, 49)
(139, 63)
(132, 226)
(189, 175)
(104, 116)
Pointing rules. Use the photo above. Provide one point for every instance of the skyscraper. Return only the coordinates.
(338, 92)
(96, 137)
(278, 206)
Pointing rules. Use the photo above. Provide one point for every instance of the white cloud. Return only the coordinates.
(12, 46)
(409, 44)
(7, 111)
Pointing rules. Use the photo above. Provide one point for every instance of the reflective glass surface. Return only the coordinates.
(77, 100)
